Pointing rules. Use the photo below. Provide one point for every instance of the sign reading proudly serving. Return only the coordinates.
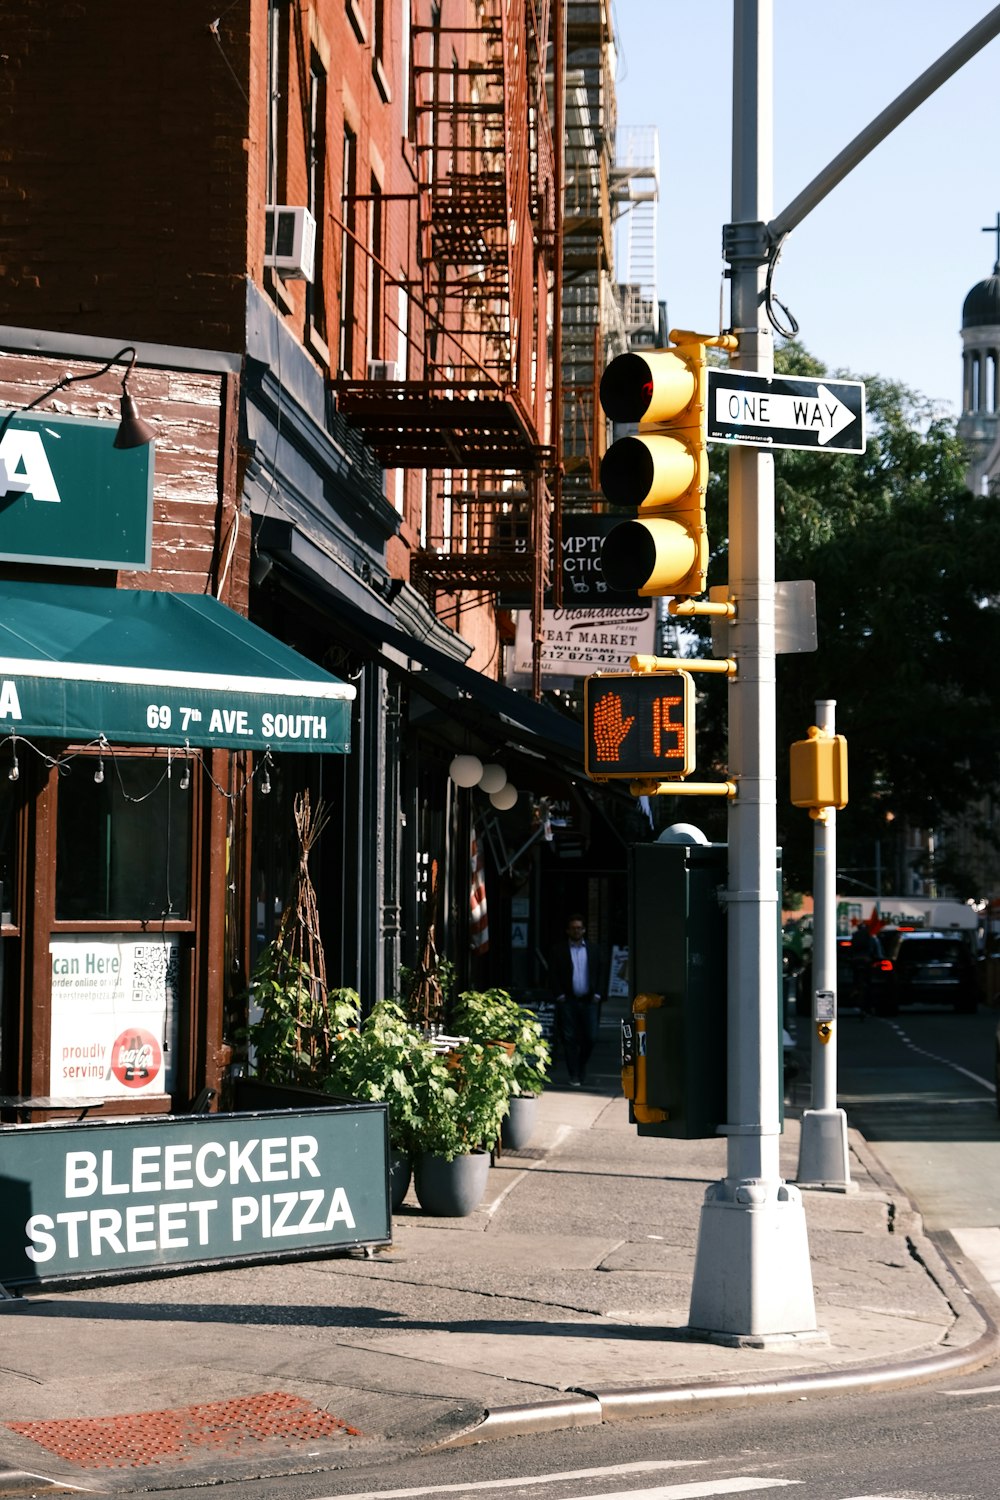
(68, 495)
(785, 411)
(86, 1200)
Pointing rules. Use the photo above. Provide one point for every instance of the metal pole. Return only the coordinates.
(752, 1280)
(823, 1158)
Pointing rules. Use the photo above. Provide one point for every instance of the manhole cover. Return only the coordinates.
(152, 1437)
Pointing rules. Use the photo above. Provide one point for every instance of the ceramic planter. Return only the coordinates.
(519, 1126)
(451, 1189)
(399, 1178)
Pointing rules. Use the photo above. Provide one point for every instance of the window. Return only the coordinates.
(348, 265)
(123, 848)
(277, 138)
(376, 332)
(378, 49)
(316, 168)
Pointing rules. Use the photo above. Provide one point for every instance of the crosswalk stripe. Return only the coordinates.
(637, 1466)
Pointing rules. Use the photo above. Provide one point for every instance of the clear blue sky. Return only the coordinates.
(877, 274)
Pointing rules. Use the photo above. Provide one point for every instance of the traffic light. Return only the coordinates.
(818, 771)
(638, 724)
(662, 469)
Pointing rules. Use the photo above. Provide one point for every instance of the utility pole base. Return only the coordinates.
(823, 1159)
(752, 1278)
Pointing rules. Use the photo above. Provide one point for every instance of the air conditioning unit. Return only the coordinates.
(290, 242)
(383, 369)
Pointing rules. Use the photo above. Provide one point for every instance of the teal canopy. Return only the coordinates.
(151, 668)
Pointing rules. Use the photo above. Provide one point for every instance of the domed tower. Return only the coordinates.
(979, 423)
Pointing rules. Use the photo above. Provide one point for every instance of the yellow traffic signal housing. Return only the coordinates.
(818, 770)
(662, 469)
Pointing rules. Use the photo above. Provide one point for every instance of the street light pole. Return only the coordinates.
(752, 1278)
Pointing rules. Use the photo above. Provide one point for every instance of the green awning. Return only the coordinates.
(150, 668)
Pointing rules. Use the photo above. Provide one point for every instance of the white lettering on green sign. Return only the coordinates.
(24, 468)
(150, 1169)
(10, 704)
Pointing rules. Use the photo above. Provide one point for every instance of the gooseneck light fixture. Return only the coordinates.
(132, 432)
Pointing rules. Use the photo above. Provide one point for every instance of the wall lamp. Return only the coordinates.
(469, 771)
(132, 432)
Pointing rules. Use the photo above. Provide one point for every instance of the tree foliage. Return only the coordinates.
(904, 559)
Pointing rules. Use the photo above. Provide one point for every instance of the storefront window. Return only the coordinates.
(124, 842)
(8, 864)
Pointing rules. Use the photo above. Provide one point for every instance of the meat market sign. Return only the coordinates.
(92, 1200)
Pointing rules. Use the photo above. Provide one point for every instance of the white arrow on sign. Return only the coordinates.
(824, 414)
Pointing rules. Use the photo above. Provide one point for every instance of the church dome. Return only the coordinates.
(982, 305)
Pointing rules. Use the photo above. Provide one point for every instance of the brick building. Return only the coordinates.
(329, 232)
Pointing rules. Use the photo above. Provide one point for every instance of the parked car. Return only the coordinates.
(923, 966)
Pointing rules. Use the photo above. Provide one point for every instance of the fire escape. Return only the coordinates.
(466, 397)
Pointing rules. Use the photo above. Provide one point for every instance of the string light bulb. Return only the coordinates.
(185, 780)
(99, 773)
(265, 780)
(14, 771)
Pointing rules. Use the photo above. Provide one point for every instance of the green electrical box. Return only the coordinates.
(674, 1045)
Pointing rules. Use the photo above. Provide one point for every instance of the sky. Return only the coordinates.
(877, 273)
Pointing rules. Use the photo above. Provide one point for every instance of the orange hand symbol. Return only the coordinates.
(609, 726)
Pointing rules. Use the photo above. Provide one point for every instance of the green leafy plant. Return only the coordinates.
(464, 1096)
(386, 1060)
(493, 1016)
(301, 1022)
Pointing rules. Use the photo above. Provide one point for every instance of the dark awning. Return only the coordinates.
(152, 668)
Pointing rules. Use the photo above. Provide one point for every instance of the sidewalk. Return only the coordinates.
(561, 1301)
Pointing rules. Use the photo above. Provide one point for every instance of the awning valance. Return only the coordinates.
(152, 668)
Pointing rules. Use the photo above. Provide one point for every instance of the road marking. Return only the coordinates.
(976, 1390)
(985, 1083)
(640, 1466)
(742, 1484)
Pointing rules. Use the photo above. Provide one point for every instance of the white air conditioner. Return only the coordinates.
(383, 369)
(290, 242)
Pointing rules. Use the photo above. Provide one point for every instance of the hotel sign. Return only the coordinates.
(68, 495)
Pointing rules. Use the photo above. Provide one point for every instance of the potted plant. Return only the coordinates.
(463, 1097)
(493, 1016)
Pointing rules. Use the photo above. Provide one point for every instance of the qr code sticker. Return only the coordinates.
(155, 968)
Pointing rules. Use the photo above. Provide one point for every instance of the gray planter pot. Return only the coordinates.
(399, 1178)
(451, 1189)
(519, 1126)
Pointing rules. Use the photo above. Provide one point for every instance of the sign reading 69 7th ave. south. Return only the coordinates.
(786, 411)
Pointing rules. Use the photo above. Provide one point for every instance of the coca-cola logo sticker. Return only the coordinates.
(136, 1058)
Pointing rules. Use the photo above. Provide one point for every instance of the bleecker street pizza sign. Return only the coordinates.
(117, 1198)
(785, 411)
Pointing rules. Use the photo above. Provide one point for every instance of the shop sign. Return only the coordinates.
(114, 1016)
(578, 642)
(122, 1197)
(68, 495)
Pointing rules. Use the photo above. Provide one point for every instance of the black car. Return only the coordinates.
(923, 967)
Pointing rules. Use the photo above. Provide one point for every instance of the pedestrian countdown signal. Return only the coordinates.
(639, 724)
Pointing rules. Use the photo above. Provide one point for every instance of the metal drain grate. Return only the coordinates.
(154, 1437)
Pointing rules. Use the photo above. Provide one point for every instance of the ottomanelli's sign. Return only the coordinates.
(116, 1198)
(578, 642)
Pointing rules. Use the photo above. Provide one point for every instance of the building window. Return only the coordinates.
(123, 848)
(379, 72)
(277, 134)
(348, 265)
(376, 278)
(406, 82)
(316, 166)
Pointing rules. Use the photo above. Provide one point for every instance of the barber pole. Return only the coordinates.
(479, 927)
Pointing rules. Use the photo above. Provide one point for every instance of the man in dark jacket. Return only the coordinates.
(577, 973)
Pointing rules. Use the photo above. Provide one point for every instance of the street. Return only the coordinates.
(919, 1089)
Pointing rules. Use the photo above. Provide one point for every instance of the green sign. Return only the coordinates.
(68, 495)
(93, 1199)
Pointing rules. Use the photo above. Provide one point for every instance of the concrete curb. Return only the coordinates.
(974, 1338)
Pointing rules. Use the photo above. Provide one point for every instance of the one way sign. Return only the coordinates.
(785, 411)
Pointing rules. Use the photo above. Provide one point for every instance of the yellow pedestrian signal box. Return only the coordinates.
(662, 469)
(818, 770)
(638, 724)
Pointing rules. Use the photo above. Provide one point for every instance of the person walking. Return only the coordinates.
(576, 974)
